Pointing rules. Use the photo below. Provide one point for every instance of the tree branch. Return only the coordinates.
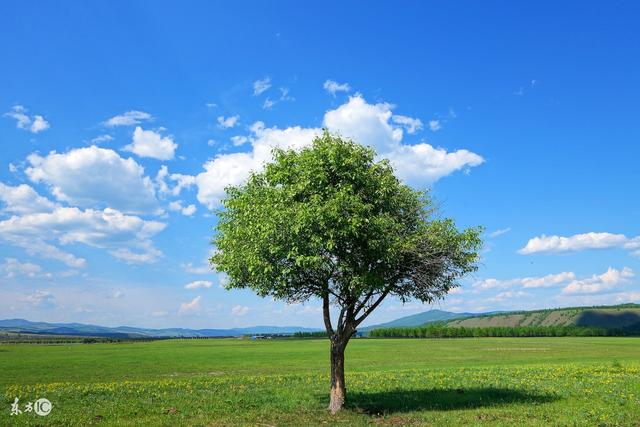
(327, 314)
(373, 306)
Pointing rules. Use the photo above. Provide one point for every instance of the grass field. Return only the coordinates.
(494, 381)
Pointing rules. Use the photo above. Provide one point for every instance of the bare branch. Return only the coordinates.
(327, 314)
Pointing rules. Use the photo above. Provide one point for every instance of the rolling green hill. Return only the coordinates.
(626, 316)
(418, 319)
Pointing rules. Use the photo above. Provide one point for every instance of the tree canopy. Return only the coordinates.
(331, 222)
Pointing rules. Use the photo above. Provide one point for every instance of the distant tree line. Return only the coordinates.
(441, 331)
(317, 334)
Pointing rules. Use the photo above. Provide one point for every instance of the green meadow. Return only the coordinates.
(471, 381)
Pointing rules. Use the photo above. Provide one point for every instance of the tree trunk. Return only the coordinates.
(338, 387)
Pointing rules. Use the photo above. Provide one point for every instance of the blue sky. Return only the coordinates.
(121, 122)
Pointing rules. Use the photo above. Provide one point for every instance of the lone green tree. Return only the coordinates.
(330, 223)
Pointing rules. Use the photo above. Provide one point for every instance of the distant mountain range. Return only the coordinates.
(79, 329)
(621, 316)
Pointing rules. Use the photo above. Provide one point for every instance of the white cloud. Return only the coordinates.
(95, 177)
(39, 124)
(43, 299)
(198, 284)
(435, 125)
(508, 295)
(33, 124)
(268, 104)
(333, 87)
(129, 118)
(190, 307)
(149, 255)
(261, 86)
(365, 123)
(203, 269)
(23, 199)
(102, 138)
(410, 124)
(548, 281)
(106, 229)
(239, 140)
(368, 124)
(492, 283)
(284, 96)
(233, 169)
(499, 232)
(239, 310)
(578, 242)
(600, 283)
(228, 122)
(38, 247)
(181, 181)
(13, 268)
(177, 206)
(424, 163)
(147, 143)
(189, 210)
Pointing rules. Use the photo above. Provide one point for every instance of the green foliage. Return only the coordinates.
(329, 221)
(441, 331)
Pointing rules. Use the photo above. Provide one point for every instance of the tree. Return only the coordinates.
(331, 223)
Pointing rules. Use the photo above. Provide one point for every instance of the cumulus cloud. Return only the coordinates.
(190, 307)
(127, 237)
(547, 281)
(198, 284)
(177, 206)
(179, 181)
(261, 86)
(368, 124)
(33, 124)
(410, 124)
(365, 123)
(232, 169)
(129, 118)
(13, 268)
(239, 310)
(608, 281)
(147, 143)
(600, 283)
(333, 87)
(228, 122)
(23, 199)
(96, 178)
(424, 163)
(579, 242)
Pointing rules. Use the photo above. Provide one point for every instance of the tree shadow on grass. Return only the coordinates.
(439, 399)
